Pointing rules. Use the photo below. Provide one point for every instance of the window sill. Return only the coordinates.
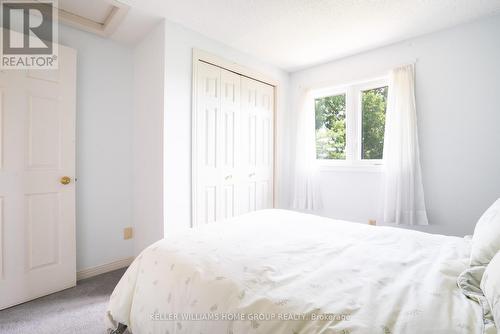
(362, 168)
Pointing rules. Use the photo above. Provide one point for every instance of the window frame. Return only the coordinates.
(354, 125)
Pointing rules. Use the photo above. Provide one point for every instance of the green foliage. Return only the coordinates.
(330, 127)
(374, 103)
(330, 114)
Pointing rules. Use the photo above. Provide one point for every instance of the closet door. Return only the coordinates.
(217, 117)
(232, 145)
(256, 146)
(208, 113)
(229, 148)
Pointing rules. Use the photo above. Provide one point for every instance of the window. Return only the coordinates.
(330, 127)
(350, 123)
(373, 105)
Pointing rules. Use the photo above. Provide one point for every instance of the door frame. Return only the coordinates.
(209, 58)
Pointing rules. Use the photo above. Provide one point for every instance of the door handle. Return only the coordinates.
(65, 180)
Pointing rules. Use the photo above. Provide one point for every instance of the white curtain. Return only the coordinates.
(306, 191)
(404, 193)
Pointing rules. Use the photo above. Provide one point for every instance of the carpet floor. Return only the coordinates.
(77, 310)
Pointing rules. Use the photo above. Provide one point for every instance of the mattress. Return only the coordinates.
(276, 271)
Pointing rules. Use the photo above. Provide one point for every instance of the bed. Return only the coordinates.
(277, 271)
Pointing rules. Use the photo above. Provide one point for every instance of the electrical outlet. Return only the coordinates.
(128, 233)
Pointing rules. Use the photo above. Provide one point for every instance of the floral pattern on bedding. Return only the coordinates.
(277, 271)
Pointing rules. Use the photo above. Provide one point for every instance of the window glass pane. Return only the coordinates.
(330, 127)
(374, 104)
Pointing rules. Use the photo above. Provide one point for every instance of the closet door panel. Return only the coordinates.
(265, 152)
(247, 187)
(209, 201)
(248, 198)
(230, 107)
(229, 145)
(210, 137)
(262, 195)
(249, 121)
(257, 145)
(229, 201)
(207, 137)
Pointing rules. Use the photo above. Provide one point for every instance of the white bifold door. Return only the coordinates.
(37, 191)
(232, 145)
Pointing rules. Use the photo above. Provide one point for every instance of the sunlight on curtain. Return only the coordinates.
(404, 193)
(306, 191)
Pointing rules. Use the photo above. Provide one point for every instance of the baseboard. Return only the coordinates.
(103, 268)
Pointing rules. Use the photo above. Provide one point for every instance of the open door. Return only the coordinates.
(37, 188)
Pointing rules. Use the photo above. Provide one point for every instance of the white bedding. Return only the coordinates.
(329, 276)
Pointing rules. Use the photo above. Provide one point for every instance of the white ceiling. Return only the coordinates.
(294, 34)
(135, 26)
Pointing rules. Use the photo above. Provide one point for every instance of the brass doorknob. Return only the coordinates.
(65, 180)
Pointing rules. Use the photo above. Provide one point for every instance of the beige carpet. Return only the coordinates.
(73, 311)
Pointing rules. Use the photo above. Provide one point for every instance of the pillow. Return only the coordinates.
(486, 238)
(490, 285)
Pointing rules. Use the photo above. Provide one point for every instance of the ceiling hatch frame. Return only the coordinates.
(116, 14)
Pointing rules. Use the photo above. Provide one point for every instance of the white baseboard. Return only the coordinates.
(103, 268)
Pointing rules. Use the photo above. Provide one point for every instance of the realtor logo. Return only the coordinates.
(29, 30)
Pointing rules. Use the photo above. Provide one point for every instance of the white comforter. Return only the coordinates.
(279, 272)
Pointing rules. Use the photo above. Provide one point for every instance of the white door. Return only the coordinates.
(229, 148)
(37, 149)
(207, 139)
(232, 146)
(256, 145)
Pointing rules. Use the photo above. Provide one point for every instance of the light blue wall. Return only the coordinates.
(458, 101)
(104, 147)
(179, 44)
